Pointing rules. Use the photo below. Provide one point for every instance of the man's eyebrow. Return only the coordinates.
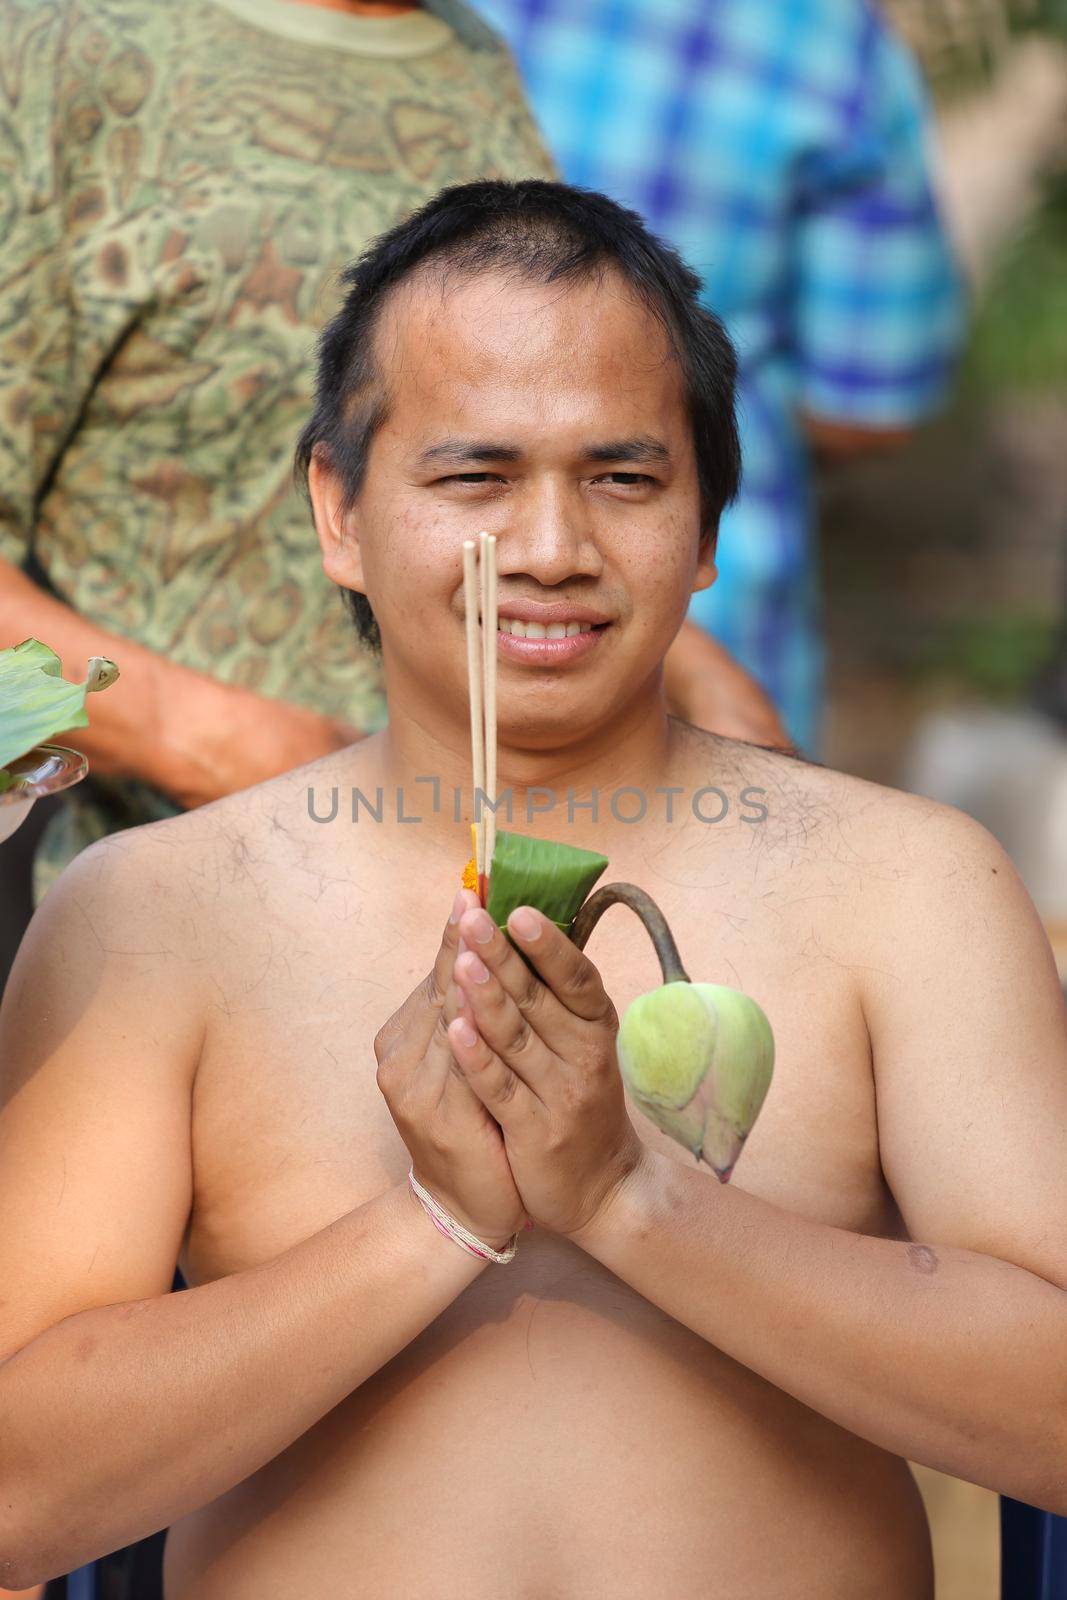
(455, 451)
(642, 448)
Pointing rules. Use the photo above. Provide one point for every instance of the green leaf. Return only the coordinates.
(554, 878)
(37, 702)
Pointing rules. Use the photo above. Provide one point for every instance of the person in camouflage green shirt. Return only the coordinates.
(180, 187)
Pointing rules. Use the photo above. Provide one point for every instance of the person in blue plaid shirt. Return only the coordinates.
(781, 146)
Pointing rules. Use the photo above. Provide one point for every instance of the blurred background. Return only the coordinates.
(945, 568)
(945, 565)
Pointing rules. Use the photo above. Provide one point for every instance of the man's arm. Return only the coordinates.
(182, 731)
(124, 1407)
(706, 686)
(832, 441)
(951, 1351)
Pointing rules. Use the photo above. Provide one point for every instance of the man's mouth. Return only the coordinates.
(548, 633)
(540, 630)
(547, 644)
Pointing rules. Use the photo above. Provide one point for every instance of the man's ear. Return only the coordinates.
(707, 571)
(342, 557)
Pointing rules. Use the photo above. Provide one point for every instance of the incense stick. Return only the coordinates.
(489, 630)
(480, 605)
(474, 686)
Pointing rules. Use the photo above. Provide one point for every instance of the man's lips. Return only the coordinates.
(548, 612)
(557, 615)
(548, 652)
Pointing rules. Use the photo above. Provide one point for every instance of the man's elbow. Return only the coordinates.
(28, 1553)
(1054, 1497)
(1050, 1494)
(1038, 1453)
(28, 1569)
(21, 1569)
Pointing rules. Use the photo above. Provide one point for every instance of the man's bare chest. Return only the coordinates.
(290, 1130)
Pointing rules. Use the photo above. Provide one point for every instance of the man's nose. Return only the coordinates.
(550, 535)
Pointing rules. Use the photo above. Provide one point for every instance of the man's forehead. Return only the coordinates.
(578, 360)
(497, 315)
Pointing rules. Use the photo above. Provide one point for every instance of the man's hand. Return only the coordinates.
(538, 1049)
(456, 1147)
(706, 686)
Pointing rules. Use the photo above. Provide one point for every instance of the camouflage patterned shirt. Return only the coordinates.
(181, 182)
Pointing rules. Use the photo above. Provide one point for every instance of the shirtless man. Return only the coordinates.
(676, 1388)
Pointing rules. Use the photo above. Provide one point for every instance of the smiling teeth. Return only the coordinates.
(538, 630)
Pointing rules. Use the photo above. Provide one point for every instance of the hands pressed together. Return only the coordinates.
(503, 1081)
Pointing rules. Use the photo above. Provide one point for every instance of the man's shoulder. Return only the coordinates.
(125, 925)
(890, 881)
(173, 848)
(149, 861)
(843, 817)
(140, 878)
(920, 835)
(219, 850)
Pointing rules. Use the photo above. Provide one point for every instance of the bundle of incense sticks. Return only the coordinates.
(480, 606)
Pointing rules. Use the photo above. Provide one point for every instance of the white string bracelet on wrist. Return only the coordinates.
(455, 1231)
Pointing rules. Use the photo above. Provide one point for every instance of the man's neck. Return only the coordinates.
(428, 759)
(364, 8)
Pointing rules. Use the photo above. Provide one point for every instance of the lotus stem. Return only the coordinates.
(643, 906)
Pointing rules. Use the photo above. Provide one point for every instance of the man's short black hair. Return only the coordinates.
(541, 232)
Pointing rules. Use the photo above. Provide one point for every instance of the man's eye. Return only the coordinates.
(627, 478)
(473, 477)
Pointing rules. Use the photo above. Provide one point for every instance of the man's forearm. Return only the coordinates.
(179, 730)
(121, 1419)
(944, 1356)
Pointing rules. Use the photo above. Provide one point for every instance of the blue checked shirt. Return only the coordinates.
(779, 145)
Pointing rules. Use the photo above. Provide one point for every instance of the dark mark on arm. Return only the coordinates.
(922, 1258)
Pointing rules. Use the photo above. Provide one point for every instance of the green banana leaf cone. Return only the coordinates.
(697, 1058)
(540, 872)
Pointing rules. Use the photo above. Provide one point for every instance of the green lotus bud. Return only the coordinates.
(697, 1059)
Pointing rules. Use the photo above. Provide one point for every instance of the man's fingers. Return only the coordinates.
(501, 1091)
(482, 936)
(446, 955)
(415, 1019)
(504, 1026)
(565, 969)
